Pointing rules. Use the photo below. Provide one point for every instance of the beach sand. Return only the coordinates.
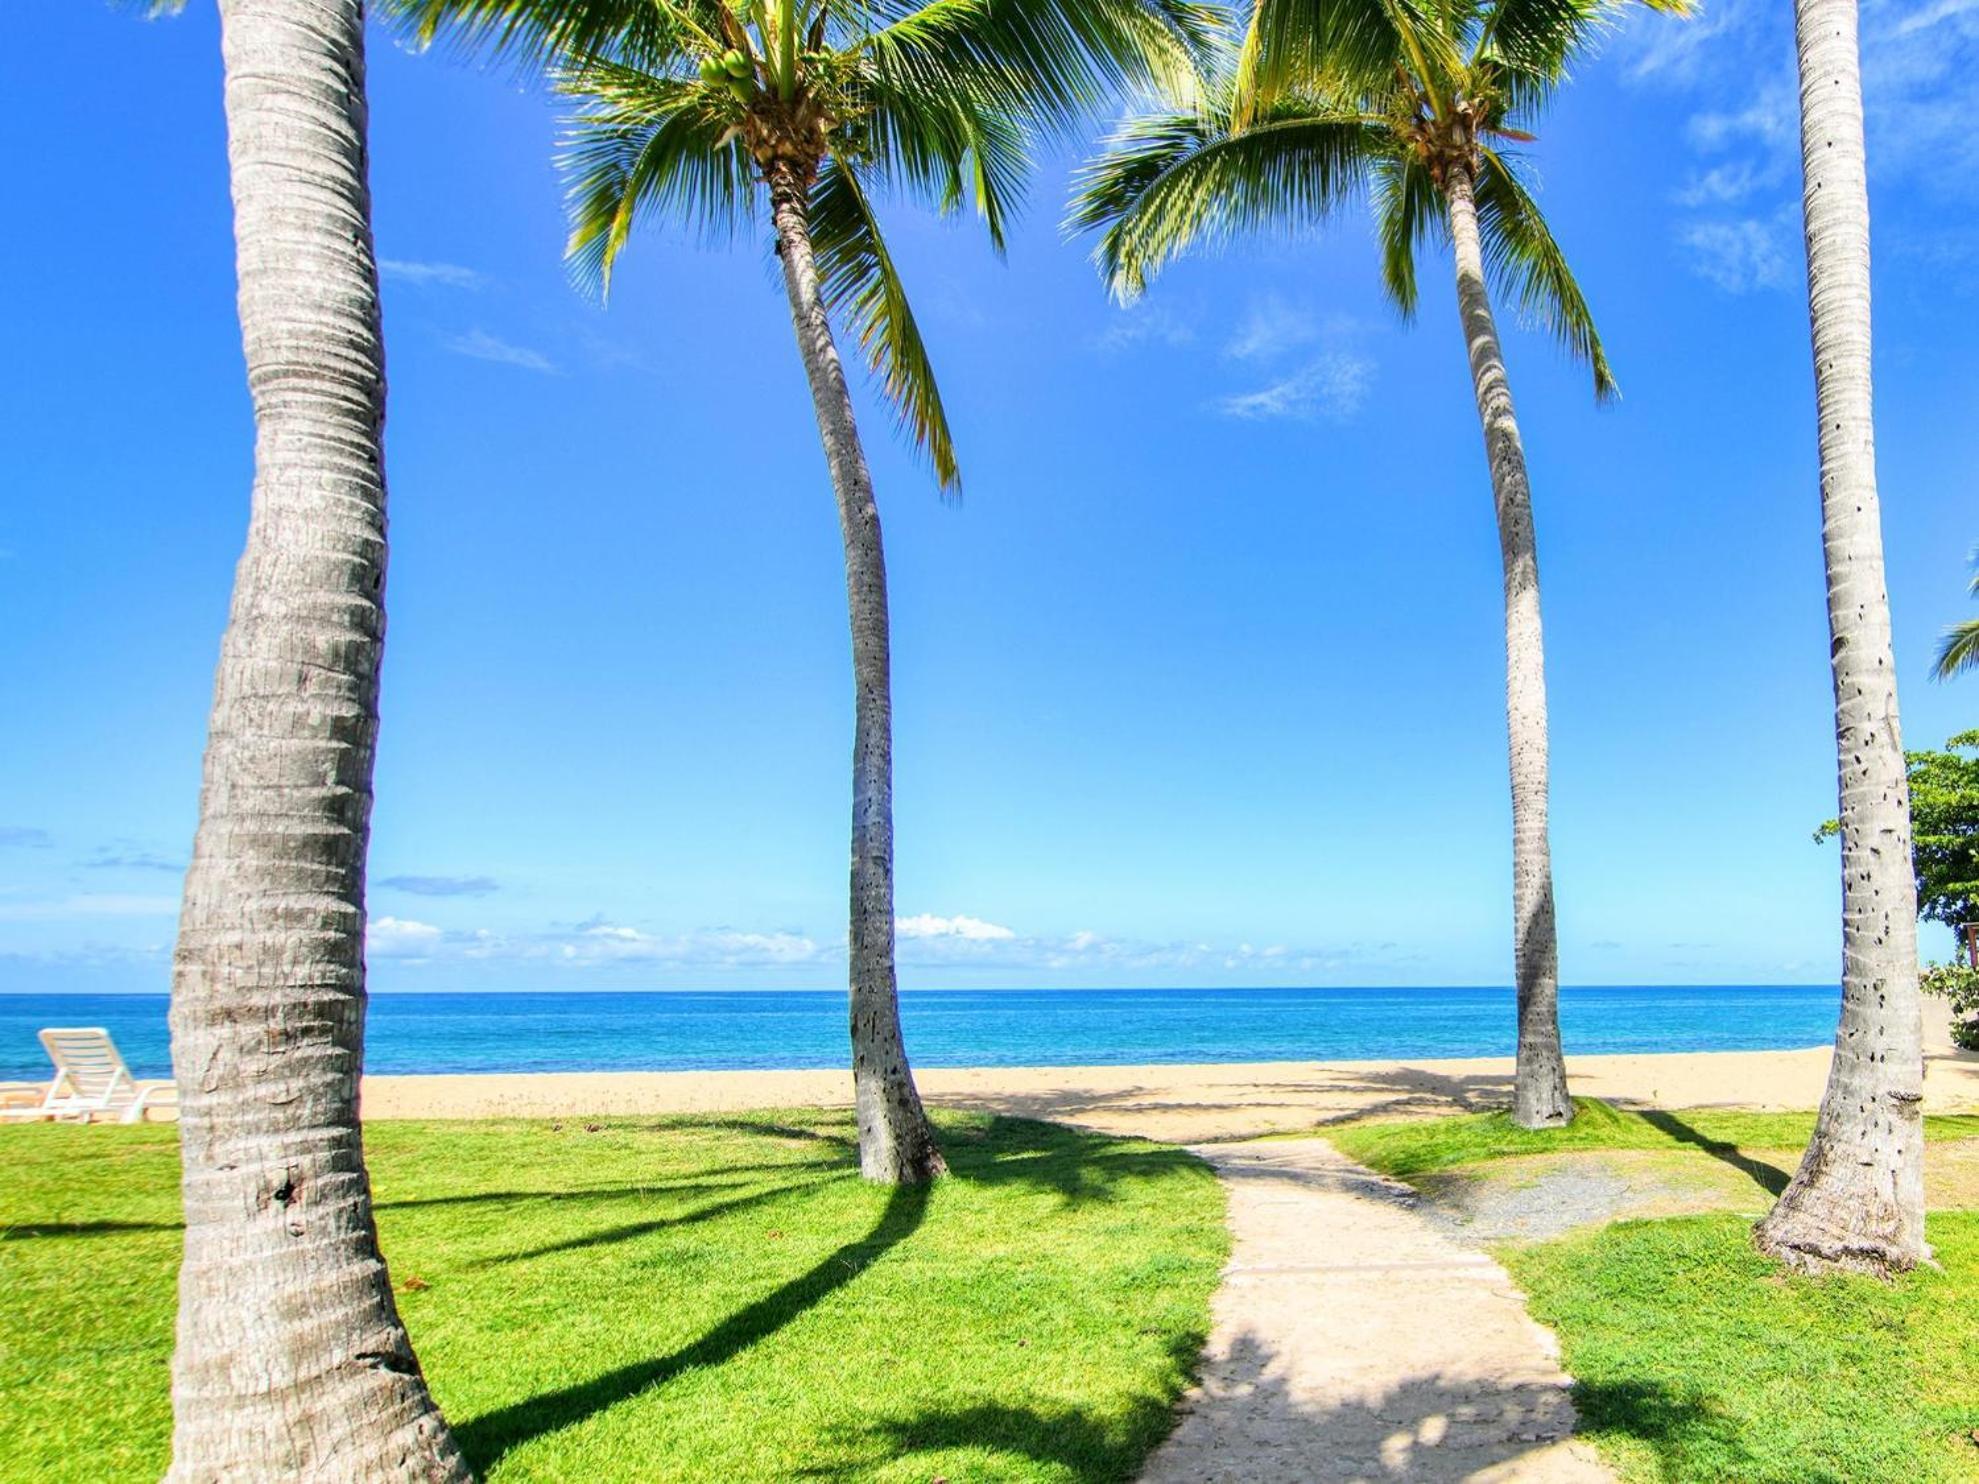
(1185, 1104)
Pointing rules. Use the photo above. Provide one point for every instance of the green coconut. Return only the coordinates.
(712, 71)
(736, 63)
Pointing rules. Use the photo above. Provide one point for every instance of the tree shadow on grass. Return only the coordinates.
(1076, 1164)
(633, 1230)
(1770, 1178)
(1245, 1422)
(1689, 1434)
(487, 1438)
(28, 1230)
(728, 1177)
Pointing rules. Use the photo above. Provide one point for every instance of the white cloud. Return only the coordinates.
(972, 929)
(1146, 322)
(401, 937)
(1931, 15)
(481, 346)
(1738, 256)
(89, 904)
(707, 948)
(1724, 185)
(1661, 49)
(1770, 117)
(1270, 327)
(1334, 385)
(445, 275)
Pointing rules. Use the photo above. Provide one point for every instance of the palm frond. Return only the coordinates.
(1545, 37)
(1290, 42)
(640, 144)
(861, 283)
(944, 143)
(1051, 63)
(539, 36)
(1408, 211)
(1166, 181)
(1531, 271)
(1958, 650)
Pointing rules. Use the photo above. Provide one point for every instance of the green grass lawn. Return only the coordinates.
(693, 1299)
(1420, 1146)
(1697, 1359)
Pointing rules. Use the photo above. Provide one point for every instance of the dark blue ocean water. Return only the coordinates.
(599, 1031)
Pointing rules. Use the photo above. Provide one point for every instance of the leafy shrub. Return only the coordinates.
(1960, 985)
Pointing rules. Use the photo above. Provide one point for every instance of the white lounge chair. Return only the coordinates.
(91, 1078)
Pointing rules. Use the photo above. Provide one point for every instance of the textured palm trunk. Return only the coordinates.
(291, 1360)
(896, 1142)
(1539, 1097)
(1857, 1200)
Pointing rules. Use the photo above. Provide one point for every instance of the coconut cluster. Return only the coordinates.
(731, 69)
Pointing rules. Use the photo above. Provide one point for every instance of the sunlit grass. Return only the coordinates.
(689, 1299)
(1699, 1360)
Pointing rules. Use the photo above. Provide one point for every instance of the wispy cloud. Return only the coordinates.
(708, 948)
(88, 905)
(442, 886)
(1723, 185)
(1739, 256)
(1334, 385)
(130, 858)
(440, 275)
(1920, 68)
(479, 345)
(20, 837)
(971, 929)
(1932, 15)
(401, 937)
(1271, 327)
(1147, 322)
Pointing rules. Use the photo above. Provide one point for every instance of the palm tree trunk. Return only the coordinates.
(291, 1360)
(1539, 1097)
(1857, 1200)
(896, 1142)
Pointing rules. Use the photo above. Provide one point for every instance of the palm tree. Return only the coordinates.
(1958, 650)
(1857, 1200)
(291, 1360)
(727, 112)
(1416, 102)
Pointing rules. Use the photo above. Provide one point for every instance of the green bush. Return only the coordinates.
(1960, 985)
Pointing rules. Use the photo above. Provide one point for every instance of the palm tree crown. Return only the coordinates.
(1327, 99)
(691, 108)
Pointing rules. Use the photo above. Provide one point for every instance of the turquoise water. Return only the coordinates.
(599, 1031)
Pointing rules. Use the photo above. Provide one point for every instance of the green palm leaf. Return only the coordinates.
(1167, 181)
(1408, 210)
(861, 283)
(1958, 651)
(1529, 268)
(641, 144)
(541, 35)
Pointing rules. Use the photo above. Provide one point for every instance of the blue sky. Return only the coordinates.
(1201, 683)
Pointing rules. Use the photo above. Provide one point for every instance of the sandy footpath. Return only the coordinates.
(1182, 1103)
(1352, 1342)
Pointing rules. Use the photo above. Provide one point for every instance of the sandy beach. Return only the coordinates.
(1185, 1103)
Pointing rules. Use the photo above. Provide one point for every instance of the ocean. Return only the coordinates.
(737, 1030)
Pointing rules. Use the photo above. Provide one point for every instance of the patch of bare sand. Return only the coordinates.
(1546, 1195)
(1183, 1104)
